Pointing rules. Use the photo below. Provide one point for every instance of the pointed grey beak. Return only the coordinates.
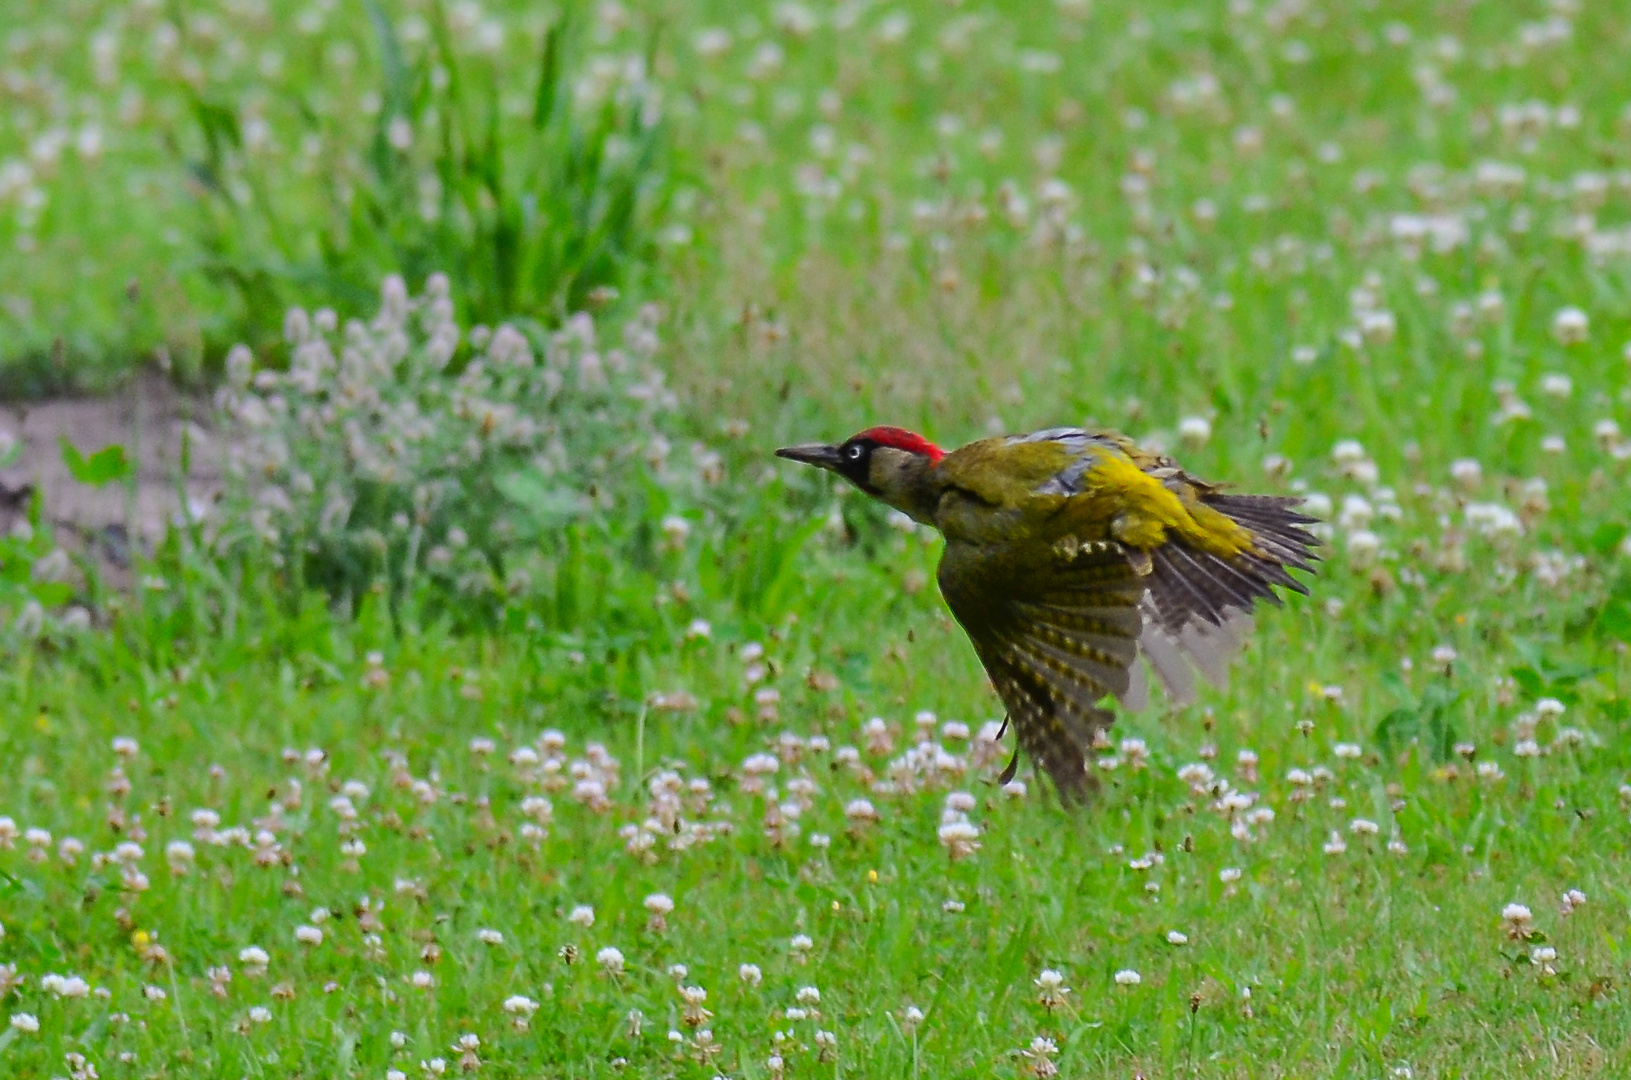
(820, 455)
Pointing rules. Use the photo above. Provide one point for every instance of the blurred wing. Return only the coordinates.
(1196, 614)
(1197, 610)
(1055, 638)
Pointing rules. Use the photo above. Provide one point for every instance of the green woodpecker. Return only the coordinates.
(1071, 553)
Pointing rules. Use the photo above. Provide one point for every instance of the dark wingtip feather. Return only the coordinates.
(1192, 587)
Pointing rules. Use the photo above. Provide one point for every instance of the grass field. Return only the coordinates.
(686, 789)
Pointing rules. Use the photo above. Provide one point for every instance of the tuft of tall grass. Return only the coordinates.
(535, 212)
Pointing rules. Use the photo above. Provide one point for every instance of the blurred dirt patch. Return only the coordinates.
(152, 419)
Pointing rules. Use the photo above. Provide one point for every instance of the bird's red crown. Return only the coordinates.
(901, 439)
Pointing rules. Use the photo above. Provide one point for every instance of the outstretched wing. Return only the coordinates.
(1208, 563)
(1197, 611)
(1057, 632)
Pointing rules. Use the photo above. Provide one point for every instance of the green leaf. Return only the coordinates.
(543, 102)
(1529, 681)
(1614, 620)
(53, 594)
(545, 505)
(1607, 537)
(105, 466)
(1438, 697)
(1396, 729)
(1442, 735)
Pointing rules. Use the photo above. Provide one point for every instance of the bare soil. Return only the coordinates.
(153, 420)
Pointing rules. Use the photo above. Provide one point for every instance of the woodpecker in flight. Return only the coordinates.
(1069, 554)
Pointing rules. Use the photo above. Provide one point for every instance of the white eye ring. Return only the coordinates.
(853, 452)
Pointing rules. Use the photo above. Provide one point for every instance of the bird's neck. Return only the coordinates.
(908, 483)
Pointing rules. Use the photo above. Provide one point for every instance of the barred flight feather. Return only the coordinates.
(1196, 613)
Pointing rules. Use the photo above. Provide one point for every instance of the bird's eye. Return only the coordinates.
(853, 452)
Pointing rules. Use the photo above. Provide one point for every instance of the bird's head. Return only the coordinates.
(891, 464)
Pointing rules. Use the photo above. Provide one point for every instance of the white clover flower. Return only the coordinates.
(750, 974)
(308, 935)
(1196, 774)
(70, 986)
(1128, 977)
(489, 937)
(27, 1023)
(661, 905)
(1177, 937)
(1363, 547)
(582, 915)
(520, 1005)
(1348, 452)
(1356, 512)
(1570, 326)
(610, 960)
(1051, 988)
(860, 811)
(711, 42)
(1195, 431)
(1378, 327)
(959, 838)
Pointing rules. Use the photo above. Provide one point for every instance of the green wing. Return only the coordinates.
(1056, 634)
